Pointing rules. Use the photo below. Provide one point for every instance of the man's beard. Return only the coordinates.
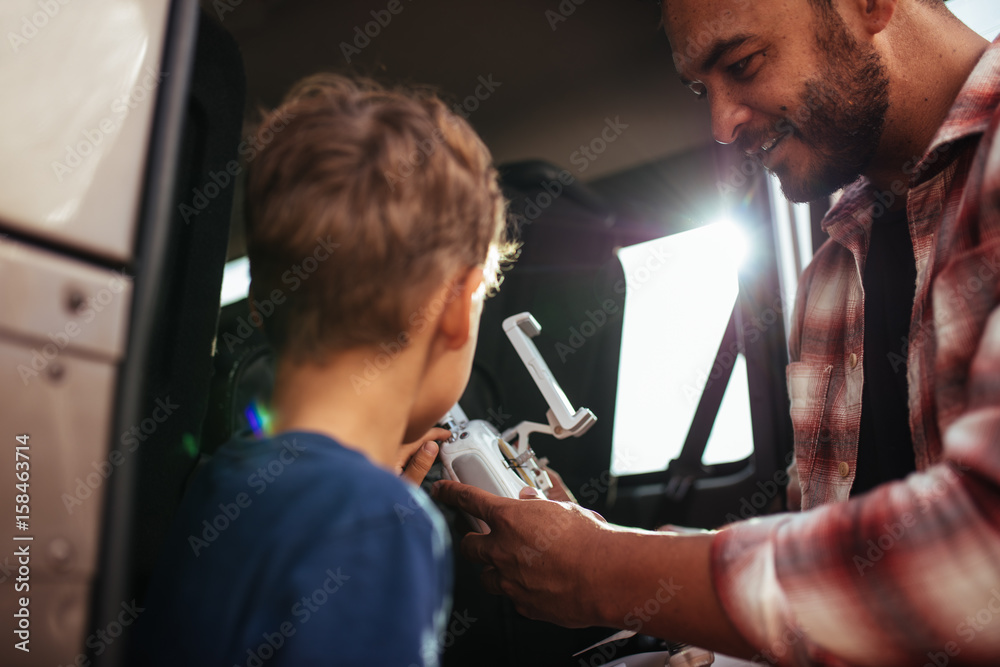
(841, 116)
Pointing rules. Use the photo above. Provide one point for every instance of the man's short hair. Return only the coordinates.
(359, 206)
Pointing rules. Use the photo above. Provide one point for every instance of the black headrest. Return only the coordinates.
(538, 176)
(243, 379)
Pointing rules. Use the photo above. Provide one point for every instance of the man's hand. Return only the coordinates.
(558, 562)
(546, 556)
(417, 457)
(559, 490)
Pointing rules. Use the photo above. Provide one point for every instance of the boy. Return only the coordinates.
(376, 222)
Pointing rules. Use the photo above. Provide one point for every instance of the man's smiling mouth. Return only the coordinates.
(769, 145)
(766, 148)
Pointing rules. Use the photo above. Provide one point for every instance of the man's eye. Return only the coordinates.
(740, 67)
(699, 90)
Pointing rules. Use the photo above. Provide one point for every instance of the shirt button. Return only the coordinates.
(843, 469)
(853, 360)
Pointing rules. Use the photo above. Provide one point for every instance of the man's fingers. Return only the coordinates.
(475, 547)
(490, 578)
(559, 490)
(480, 504)
(421, 462)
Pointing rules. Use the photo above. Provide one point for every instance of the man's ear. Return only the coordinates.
(459, 296)
(871, 16)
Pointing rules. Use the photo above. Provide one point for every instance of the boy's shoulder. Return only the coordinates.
(295, 470)
(278, 525)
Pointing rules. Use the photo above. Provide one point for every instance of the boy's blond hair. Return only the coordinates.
(402, 189)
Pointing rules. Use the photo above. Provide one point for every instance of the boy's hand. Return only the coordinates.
(417, 457)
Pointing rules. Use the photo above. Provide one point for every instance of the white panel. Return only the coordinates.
(66, 416)
(61, 606)
(62, 305)
(79, 82)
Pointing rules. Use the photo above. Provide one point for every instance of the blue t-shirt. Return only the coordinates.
(297, 551)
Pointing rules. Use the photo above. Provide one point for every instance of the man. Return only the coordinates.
(902, 94)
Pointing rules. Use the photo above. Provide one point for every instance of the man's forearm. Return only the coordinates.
(560, 563)
(660, 584)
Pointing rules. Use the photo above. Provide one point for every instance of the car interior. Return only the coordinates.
(660, 266)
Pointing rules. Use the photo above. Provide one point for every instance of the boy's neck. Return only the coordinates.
(343, 400)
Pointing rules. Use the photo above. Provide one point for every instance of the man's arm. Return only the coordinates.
(886, 579)
(908, 572)
(560, 563)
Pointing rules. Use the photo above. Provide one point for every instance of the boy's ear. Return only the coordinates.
(460, 296)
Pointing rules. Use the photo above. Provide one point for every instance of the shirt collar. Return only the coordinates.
(976, 101)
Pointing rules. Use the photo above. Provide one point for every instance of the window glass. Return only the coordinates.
(983, 16)
(732, 433)
(679, 293)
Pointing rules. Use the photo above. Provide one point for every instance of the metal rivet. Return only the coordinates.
(75, 300)
(61, 551)
(56, 371)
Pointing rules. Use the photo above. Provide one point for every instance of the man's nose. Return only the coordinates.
(728, 115)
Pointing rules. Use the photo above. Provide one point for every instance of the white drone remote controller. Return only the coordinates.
(478, 454)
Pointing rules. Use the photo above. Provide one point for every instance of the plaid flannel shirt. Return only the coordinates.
(909, 573)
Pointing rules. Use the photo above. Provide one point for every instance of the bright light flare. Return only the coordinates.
(735, 244)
